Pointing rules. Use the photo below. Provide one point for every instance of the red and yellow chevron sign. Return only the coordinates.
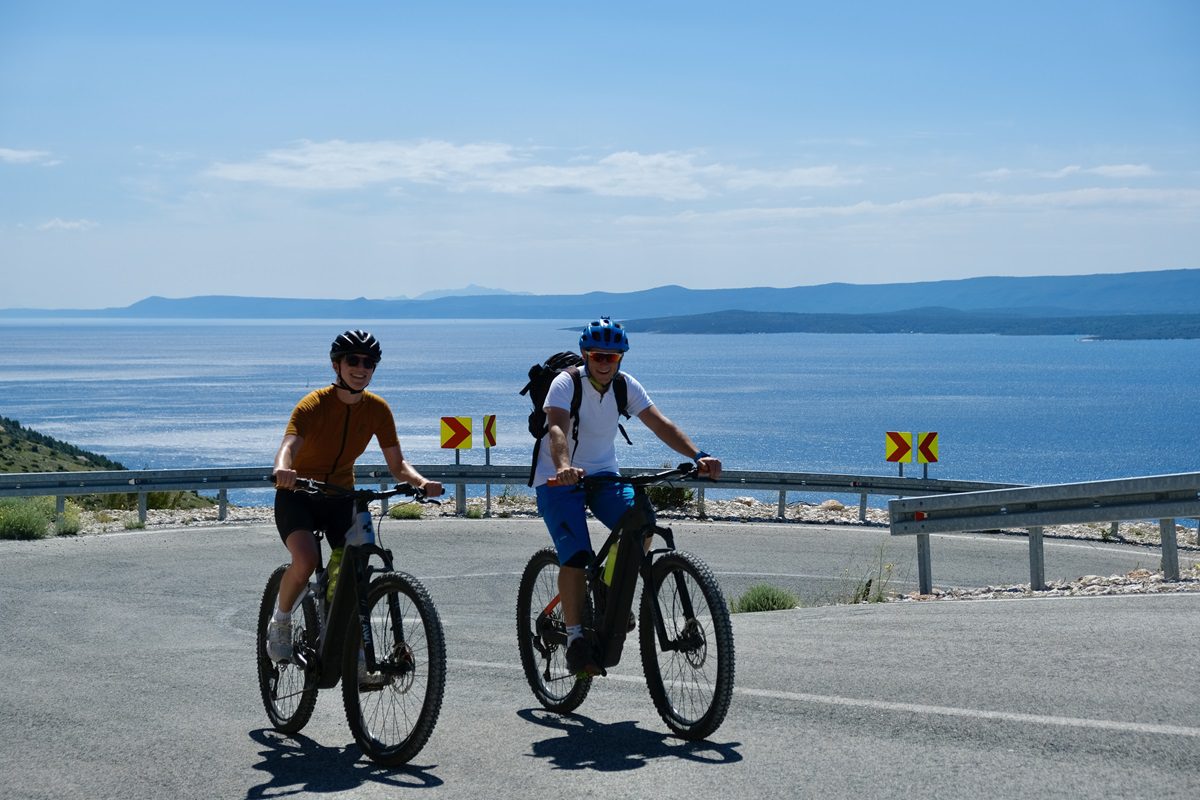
(456, 433)
(489, 430)
(927, 447)
(898, 446)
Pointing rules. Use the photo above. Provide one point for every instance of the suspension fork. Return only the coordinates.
(685, 598)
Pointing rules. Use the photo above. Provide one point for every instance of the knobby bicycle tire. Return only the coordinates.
(393, 719)
(691, 687)
(289, 693)
(545, 662)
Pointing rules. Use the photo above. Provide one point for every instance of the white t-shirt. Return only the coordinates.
(598, 418)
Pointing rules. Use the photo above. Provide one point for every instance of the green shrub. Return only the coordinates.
(406, 511)
(474, 512)
(24, 519)
(669, 496)
(156, 500)
(763, 597)
(134, 524)
(70, 522)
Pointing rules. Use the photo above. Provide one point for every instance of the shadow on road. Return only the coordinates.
(298, 765)
(616, 747)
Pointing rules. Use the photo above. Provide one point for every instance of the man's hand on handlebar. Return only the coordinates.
(431, 489)
(568, 476)
(709, 467)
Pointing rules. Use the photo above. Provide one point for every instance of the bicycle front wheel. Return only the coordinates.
(289, 692)
(392, 712)
(690, 675)
(542, 636)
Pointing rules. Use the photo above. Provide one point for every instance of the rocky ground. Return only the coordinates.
(747, 509)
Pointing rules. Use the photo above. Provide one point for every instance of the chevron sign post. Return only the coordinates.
(897, 448)
(456, 435)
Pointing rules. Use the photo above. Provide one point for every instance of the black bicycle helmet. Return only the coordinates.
(351, 342)
(605, 335)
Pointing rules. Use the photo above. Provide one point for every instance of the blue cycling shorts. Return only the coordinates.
(563, 510)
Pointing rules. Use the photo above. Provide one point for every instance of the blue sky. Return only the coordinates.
(384, 149)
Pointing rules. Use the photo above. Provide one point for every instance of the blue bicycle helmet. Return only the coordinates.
(604, 335)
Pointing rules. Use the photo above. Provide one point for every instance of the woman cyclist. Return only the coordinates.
(328, 430)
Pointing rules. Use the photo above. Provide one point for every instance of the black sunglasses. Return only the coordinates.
(367, 363)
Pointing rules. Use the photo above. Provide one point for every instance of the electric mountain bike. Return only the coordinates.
(380, 635)
(684, 630)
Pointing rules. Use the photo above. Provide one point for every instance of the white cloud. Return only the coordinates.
(954, 201)
(505, 169)
(1103, 170)
(1123, 171)
(354, 165)
(40, 157)
(57, 224)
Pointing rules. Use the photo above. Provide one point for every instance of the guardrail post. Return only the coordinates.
(1170, 549)
(142, 507)
(60, 508)
(862, 507)
(924, 564)
(1037, 561)
(782, 503)
(1114, 529)
(222, 504)
(383, 503)
(700, 502)
(460, 499)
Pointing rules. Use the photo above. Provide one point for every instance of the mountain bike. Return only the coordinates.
(380, 636)
(684, 630)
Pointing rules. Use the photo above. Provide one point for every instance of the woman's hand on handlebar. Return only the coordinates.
(284, 478)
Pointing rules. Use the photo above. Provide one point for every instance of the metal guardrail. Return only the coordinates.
(221, 479)
(1161, 497)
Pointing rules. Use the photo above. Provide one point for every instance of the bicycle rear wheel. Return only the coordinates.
(542, 636)
(393, 712)
(691, 679)
(289, 693)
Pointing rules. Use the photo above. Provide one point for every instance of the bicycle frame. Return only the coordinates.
(349, 601)
(633, 561)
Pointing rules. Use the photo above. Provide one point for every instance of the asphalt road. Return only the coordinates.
(128, 672)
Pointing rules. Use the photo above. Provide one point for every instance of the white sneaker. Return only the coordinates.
(279, 640)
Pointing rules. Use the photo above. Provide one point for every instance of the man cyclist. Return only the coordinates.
(328, 430)
(563, 459)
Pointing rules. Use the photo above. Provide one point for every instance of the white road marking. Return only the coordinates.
(914, 708)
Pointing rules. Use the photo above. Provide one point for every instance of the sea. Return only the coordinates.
(158, 394)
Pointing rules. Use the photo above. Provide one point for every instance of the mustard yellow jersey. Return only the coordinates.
(337, 433)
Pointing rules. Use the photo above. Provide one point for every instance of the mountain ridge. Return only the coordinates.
(1149, 292)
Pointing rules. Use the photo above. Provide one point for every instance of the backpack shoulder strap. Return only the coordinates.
(621, 393)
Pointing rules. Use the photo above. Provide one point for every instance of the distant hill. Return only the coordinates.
(470, 290)
(26, 450)
(1160, 292)
(930, 320)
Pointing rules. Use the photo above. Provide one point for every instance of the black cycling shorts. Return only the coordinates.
(299, 511)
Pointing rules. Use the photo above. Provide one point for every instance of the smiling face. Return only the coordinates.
(603, 365)
(355, 371)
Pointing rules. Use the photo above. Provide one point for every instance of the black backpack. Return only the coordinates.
(540, 378)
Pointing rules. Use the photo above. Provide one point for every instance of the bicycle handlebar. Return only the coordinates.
(313, 486)
(684, 470)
